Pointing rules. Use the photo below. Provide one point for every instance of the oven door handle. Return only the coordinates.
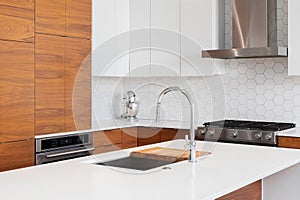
(68, 153)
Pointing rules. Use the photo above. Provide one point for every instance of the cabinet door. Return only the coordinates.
(165, 38)
(201, 28)
(77, 84)
(78, 18)
(17, 91)
(168, 134)
(104, 138)
(15, 155)
(140, 38)
(129, 138)
(148, 136)
(293, 35)
(289, 142)
(50, 17)
(49, 93)
(17, 20)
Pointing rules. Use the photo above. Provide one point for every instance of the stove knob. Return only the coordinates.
(268, 136)
(257, 136)
(234, 134)
(211, 132)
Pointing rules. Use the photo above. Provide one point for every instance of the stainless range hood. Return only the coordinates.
(254, 31)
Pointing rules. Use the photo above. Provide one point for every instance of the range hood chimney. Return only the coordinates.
(253, 31)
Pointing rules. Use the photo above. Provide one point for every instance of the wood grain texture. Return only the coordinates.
(78, 84)
(50, 17)
(16, 155)
(107, 148)
(129, 138)
(249, 192)
(148, 136)
(289, 142)
(104, 138)
(79, 18)
(17, 20)
(167, 134)
(17, 91)
(49, 88)
(166, 154)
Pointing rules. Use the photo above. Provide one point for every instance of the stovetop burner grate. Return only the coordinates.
(251, 125)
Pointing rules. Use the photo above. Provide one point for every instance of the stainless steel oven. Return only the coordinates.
(58, 148)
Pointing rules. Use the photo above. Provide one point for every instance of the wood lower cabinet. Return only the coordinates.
(167, 134)
(77, 84)
(289, 142)
(17, 91)
(148, 136)
(49, 84)
(249, 192)
(17, 20)
(105, 141)
(129, 137)
(15, 155)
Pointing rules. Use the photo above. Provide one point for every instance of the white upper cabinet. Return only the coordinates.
(110, 45)
(293, 38)
(142, 38)
(202, 27)
(165, 38)
(139, 38)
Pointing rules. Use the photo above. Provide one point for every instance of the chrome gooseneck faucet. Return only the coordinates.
(192, 143)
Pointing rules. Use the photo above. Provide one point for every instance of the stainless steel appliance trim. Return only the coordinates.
(260, 52)
(38, 142)
(69, 152)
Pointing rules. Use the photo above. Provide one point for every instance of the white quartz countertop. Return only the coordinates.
(227, 168)
(102, 125)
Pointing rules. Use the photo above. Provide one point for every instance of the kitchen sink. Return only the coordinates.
(135, 163)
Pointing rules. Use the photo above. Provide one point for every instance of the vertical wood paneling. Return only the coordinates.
(78, 84)
(78, 18)
(50, 16)
(17, 20)
(50, 95)
(16, 155)
(17, 91)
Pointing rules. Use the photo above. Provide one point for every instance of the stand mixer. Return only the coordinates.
(130, 107)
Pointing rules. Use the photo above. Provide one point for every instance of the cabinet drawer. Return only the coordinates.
(148, 136)
(129, 138)
(15, 155)
(107, 148)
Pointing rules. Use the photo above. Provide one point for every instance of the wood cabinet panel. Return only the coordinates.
(249, 192)
(17, 20)
(16, 155)
(129, 138)
(107, 148)
(78, 18)
(167, 134)
(289, 142)
(101, 138)
(148, 136)
(49, 84)
(78, 84)
(17, 91)
(50, 16)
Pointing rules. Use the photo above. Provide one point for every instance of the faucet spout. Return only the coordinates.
(192, 143)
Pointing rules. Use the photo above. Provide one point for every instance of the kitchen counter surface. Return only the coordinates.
(118, 123)
(227, 168)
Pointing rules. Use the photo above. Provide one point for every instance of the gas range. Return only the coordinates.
(244, 132)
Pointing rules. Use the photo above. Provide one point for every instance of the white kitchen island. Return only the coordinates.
(228, 168)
